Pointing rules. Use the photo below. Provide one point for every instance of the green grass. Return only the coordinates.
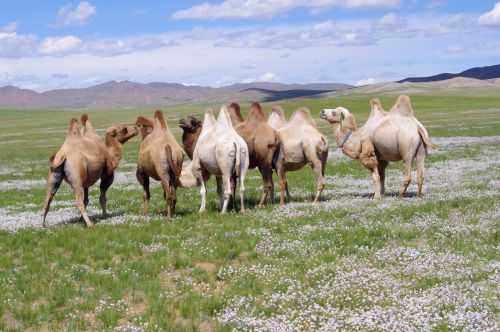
(181, 275)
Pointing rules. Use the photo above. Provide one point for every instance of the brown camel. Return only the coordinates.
(161, 158)
(301, 144)
(263, 144)
(83, 159)
(191, 128)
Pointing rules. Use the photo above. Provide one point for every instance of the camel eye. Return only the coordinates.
(124, 130)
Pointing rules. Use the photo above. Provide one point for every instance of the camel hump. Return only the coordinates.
(235, 113)
(224, 120)
(161, 119)
(73, 129)
(375, 103)
(279, 111)
(84, 118)
(403, 107)
(145, 122)
(256, 113)
(303, 114)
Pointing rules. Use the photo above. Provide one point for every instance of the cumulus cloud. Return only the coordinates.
(491, 18)
(10, 27)
(59, 45)
(79, 15)
(13, 45)
(255, 9)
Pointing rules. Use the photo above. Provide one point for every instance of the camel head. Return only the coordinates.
(339, 115)
(122, 132)
(145, 125)
(190, 124)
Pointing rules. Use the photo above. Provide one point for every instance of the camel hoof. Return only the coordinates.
(91, 225)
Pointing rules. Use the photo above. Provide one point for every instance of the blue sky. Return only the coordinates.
(63, 44)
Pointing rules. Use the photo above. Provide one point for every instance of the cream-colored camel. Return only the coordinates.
(262, 141)
(161, 158)
(222, 152)
(387, 136)
(301, 144)
(277, 118)
(83, 159)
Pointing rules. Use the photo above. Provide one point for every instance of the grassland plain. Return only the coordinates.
(348, 263)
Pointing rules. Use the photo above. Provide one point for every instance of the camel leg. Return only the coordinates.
(220, 191)
(242, 191)
(226, 180)
(53, 183)
(377, 183)
(203, 194)
(144, 181)
(268, 185)
(283, 183)
(407, 177)
(168, 191)
(420, 170)
(80, 197)
(86, 197)
(382, 165)
(319, 169)
(106, 182)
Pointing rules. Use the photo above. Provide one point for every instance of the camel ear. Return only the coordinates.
(342, 116)
(84, 118)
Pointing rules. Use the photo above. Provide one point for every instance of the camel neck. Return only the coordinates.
(114, 147)
(342, 134)
(189, 140)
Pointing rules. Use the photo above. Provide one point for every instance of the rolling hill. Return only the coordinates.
(480, 73)
(131, 94)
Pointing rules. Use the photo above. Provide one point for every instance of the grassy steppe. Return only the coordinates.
(349, 263)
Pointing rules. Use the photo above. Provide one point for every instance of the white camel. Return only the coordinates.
(387, 136)
(222, 152)
(301, 144)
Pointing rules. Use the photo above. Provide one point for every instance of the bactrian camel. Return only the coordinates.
(301, 144)
(83, 159)
(222, 152)
(160, 158)
(387, 136)
(262, 141)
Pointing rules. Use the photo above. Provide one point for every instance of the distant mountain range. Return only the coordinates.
(480, 73)
(131, 94)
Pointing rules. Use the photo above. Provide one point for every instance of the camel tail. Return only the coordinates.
(56, 162)
(276, 154)
(173, 168)
(237, 159)
(424, 135)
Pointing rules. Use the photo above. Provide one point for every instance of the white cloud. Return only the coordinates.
(491, 18)
(256, 9)
(78, 15)
(367, 81)
(59, 45)
(10, 27)
(268, 77)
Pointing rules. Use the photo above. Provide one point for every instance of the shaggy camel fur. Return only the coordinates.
(262, 141)
(222, 152)
(83, 159)
(161, 158)
(387, 136)
(301, 144)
